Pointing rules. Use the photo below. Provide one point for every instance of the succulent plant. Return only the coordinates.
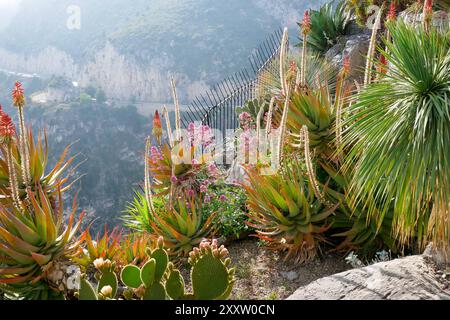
(107, 286)
(32, 240)
(252, 107)
(58, 178)
(158, 279)
(315, 110)
(133, 249)
(180, 176)
(182, 224)
(106, 246)
(359, 230)
(286, 213)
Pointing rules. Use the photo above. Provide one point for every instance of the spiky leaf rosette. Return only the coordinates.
(138, 216)
(315, 110)
(285, 212)
(33, 239)
(106, 246)
(182, 225)
(360, 232)
(210, 276)
(58, 178)
(327, 25)
(253, 107)
(180, 175)
(133, 249)
(398, 134)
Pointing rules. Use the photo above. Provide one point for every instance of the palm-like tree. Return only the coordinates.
(399, 137)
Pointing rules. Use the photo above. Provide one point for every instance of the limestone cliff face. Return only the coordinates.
(119, 76)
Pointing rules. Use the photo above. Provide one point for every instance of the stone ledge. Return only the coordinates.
(409, 278)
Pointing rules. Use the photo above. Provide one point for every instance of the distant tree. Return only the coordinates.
(100, 96)
(85, 98)
(91, 91)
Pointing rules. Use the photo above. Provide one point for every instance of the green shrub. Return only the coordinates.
(229, 202)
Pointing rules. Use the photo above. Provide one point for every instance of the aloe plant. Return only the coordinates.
(182, 224)
(285, 212)
(33, 240)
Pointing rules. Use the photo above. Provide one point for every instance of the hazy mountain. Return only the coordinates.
(127, 50)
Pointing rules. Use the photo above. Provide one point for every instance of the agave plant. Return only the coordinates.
(286, 213)
(315, 110)
(33, 241)
(182, 225)
(398, 135)
(327, 25)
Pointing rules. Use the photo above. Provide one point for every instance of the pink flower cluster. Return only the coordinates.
(248, 141)
(200, 136)
(246, 121)
(155, 155)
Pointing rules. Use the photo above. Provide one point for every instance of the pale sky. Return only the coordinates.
(8, 3)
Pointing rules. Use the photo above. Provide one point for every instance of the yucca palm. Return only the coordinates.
(399, 133)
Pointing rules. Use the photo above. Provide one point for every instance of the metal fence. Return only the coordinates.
(217, 107)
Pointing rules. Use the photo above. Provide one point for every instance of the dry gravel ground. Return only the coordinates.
(263, 275)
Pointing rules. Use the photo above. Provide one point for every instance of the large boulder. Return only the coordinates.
(354, 45)
(409, 278)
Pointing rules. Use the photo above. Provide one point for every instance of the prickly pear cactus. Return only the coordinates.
(158, 279)
(107, 283)
(147, 283)
(211, 278)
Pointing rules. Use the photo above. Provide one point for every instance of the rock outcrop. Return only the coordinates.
(409, 278)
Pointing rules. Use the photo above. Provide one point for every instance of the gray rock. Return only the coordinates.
(355, 47)
(291, 275)
(409, 278)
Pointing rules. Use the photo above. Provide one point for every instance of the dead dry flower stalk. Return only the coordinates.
(283, 54)
(304, 133)
(13, 183)
(147, 182)
(177, 111)
(258, 131)
(168, 125)
(282, 129)
(372, 47)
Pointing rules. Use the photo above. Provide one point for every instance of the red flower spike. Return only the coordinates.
(392, 15)
(383, 66)
(7, 128)
(18, 95)
(306, 23)
(428, 8)
(346, 65)
(157, 126)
